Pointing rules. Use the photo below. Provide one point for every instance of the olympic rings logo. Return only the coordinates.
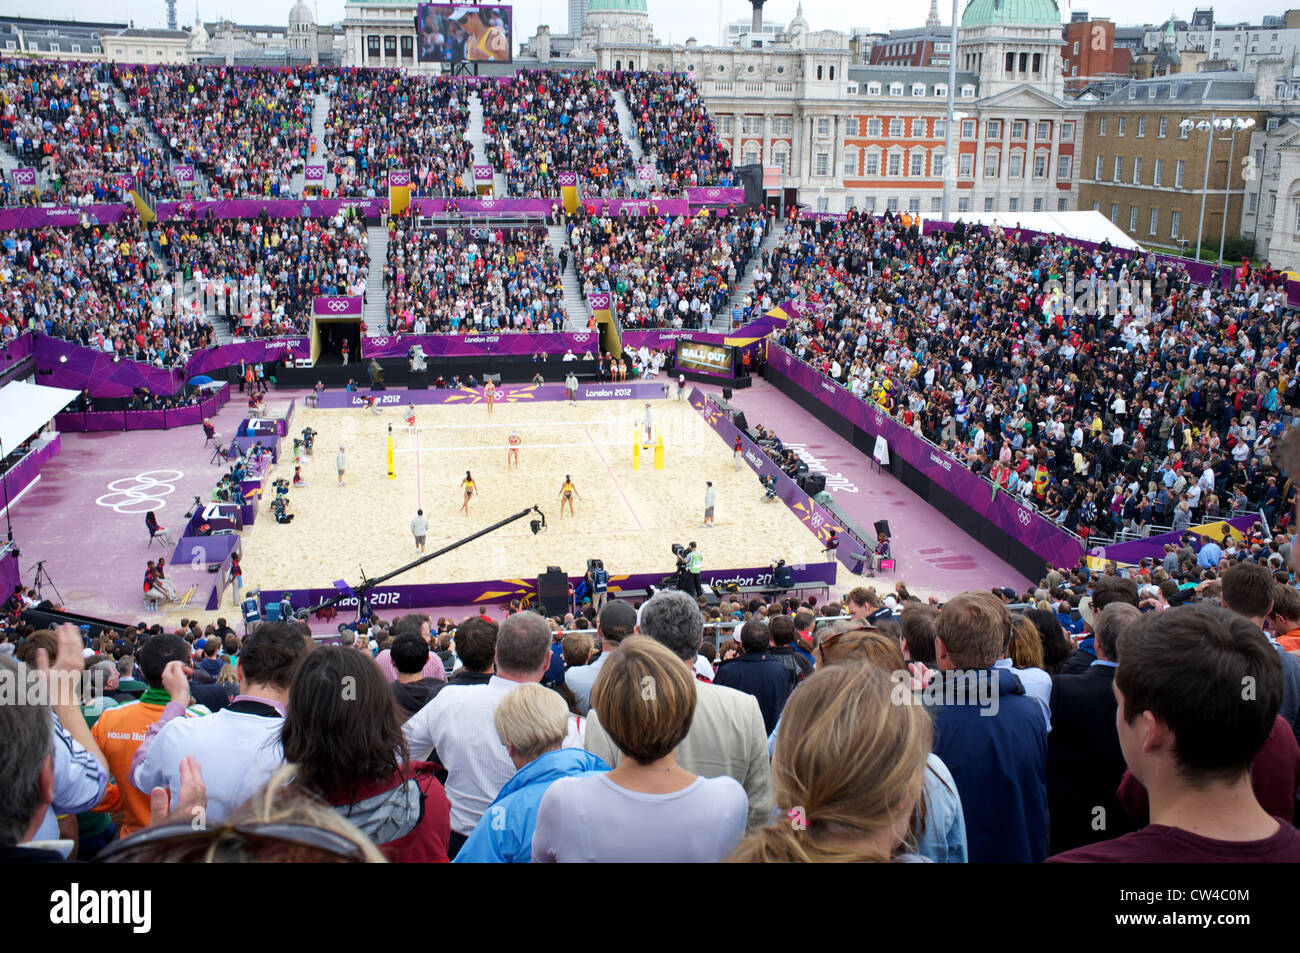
(379, 342)
(338, 305)
(141, 493)
(1024, 517)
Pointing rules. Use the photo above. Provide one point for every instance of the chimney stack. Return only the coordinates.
(756, 26)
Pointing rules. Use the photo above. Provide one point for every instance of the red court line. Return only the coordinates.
(596, 446)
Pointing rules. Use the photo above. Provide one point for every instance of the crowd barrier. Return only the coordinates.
(96, 421)
(61, 216)
(26, 471)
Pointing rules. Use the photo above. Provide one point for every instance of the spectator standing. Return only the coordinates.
(616, 621)
(757, 673)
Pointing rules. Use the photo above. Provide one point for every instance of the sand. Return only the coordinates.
(628, 518)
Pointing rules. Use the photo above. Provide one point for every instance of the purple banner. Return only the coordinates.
(599, 301)
(713, 195)
(505, 394)
(1153, 547)
(274, 208)
(431, 595)
(264, 350)
(61, 216)
(482, 173)
(24, 178)
(13, 353)
(473, 345)
(10, 577)
(314, 174)
(819, 521)
(183, 174)
(124, 181)
(77, 367)
(340, 306)
(655, 205)
(24, 473)
(538, 208)
(398, 178)
(104, 420)
(1037, 533)
(566, 178)
(146, 419)
(78, 422)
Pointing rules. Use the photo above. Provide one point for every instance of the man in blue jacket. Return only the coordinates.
(990, 734)
(758, 673)
(532, 723)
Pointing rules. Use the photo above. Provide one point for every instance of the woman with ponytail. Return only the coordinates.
(848, 772)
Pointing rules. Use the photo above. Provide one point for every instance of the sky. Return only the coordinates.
(672, 19)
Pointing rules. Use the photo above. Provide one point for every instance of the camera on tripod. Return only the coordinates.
(308, 439)
(679, 550)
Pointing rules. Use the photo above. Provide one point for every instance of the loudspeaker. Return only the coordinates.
(726, 394)
(814, 483)
(553, 592)
(739, 420)
(419, 380)
(882, 529)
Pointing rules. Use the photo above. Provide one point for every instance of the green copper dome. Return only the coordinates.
(616, 6)
(1010, 12)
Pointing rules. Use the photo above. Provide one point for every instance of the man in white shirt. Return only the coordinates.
(238, 748)
(459, 724)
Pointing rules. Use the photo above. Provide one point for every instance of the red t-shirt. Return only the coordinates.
(1158, 844)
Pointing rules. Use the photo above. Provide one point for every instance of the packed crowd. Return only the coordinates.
(247, 131)
(543, 123)
(666, 270)
(773, 733)
(385, 119)
(98, 286)
(676, 132)
(1161, 410)
(263, 273)
(61, 120)
(471, 279)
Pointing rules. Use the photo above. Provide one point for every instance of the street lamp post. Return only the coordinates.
(1235, 124)
(1210, 124)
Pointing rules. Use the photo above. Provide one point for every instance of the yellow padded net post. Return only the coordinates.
(659, 452)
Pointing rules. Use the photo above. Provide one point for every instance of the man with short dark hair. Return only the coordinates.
(26, 772)
(238, 748)
(757, 673)
(459, 724)
(1084, 760)
(1284, 619)
(990, 734)
(1248, 591)
(412, 690)
(781, 629)
(1190, 735)
(1107, 589)
(617, 620)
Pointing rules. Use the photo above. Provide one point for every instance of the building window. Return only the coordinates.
(966, 165)
(1118, 174)
(1096, 172)
(1101, 125)
(1154, 224)
(1019, 128)
(891, 205)
(873, 89)
(390, 46)
(850, 164)
(1163, 127)
(918, 89)
(819, 72)
(76, 47)
(894, 164)
(936, 162)
(936, 203)
(968, 91)
(1060, 205)
(724, 123)
(1252, 201)
(940, 128)
(1174, 217)
(869, 204)
(408, 47)
(1183, 132)
(1132, 218)
(1178, 174)
(1076, 47)
(823, 127)
(1142, 126)
(941, 89)
(918, 128)
(1120, 123)
(963, 204)
(750, 155)
(372, 48)
(988, 201)
(1038, 62)
(751, 126)
(849, 203)
(851, 126)
(823, 203)
(993, 129)
(1158, 173)
(1038, 205)
(1016, 169)
(823, 164)
(896, 128)
(1010, 63)
(1040, 164)
(872, 163)
(990, 163)
(896, 89)
(1096, 206)
(873, 128)
(1063, 168)
(1043, 130)
(1137, 170)
(1114, 213)
(1013, 205)
(782, 159)
(968, 128)
(916, 164)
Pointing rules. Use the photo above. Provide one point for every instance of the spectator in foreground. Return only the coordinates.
(616, 621)
(26, 773)
(532, 722)
(343, 732)
(756, 673)
(726, 734)
(848, 772)
(648, 808)
(1190, 735)
(412, 690)
(1248, 591)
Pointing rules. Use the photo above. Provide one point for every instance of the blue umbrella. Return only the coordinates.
(200, 379)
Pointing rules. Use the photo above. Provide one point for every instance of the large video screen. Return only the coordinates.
(705, 358)
(463, 32)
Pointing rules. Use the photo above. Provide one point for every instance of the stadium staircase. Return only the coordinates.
(320, 110)
(627, 125)
(375, 314)
(476, 139)
(200, 181)
(575, 305)
(722, 320)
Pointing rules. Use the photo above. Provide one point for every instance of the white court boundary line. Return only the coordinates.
(525, 446)
(517, 426)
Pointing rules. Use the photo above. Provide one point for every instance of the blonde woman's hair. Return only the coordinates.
(227, 675)
(645, 699)
(1026, 649)
(848, 764)
(533, 720)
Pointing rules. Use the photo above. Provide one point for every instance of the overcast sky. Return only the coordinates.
(675, 19)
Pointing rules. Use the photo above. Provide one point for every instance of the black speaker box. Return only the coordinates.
(739, 419)
(726, 394)
(814, 483)
(553, 592)
(882, 529)
(419, 380)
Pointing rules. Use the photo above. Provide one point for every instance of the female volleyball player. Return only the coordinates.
(489, 394)
(512, 458)
(567, 492)
(410, 415)
(468, 485)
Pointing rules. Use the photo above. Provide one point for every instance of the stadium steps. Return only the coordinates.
(200, 181)
(476, 139)
(375, 314)
(575, 305)
(320, 110)
(722, 322)
(627, 125)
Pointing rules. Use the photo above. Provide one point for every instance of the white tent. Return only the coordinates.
(1087, 226)
(26, 408)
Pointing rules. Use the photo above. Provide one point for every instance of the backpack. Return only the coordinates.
(791, 665)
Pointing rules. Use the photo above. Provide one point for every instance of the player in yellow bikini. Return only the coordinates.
(484, 42)
(567, 492)
(470, 488)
